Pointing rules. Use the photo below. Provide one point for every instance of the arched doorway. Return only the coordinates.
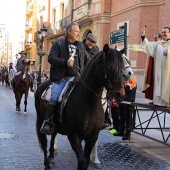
(86, 33)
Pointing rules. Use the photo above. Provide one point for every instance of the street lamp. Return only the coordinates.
(41, 34)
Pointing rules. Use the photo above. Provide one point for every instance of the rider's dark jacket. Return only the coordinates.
(59, 55)
(91, 51)
(20, 64)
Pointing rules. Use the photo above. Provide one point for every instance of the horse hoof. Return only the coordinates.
(96, 165)
(18, 110)
(55, 151)
(25, 113)
(51, 160)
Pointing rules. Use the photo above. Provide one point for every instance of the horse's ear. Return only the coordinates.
(106, 48)
(123, 50)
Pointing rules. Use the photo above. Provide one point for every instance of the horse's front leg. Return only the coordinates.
(89, 144)
(44, 148)
(51, 150)
(25, 103)
(76, 145)
(17, 97)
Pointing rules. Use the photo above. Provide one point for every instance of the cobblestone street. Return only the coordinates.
(19, 147)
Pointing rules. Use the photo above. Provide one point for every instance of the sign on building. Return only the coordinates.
(117, 36)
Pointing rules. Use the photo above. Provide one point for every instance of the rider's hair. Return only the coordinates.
(69, 26)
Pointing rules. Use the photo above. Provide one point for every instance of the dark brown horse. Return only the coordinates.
(83, 115)
(2, 79)
(22, 87)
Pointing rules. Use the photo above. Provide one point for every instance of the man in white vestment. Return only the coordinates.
(160, 51)
(149, 71)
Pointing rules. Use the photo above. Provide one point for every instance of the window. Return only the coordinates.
(53, 16)
(121, 26)
(61, 10)
(41, 22)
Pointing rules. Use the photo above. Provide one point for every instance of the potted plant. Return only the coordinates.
(42, 53)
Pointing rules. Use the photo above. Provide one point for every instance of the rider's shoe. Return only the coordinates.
(126, 136)
(113, 131)
(118, 134)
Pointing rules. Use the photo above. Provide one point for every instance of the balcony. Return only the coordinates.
(59, 26)
(28, 25)
(82, 11)
(28, 44)
(29, 8)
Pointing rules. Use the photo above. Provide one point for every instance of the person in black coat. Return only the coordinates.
(90, 44)
(124, 109)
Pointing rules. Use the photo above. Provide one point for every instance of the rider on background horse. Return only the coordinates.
(67, 58)
(19, 66)
(10, 67)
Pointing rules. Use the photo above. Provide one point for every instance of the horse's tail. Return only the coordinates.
(40, 109)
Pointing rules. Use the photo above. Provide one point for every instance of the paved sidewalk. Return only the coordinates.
(19, 147)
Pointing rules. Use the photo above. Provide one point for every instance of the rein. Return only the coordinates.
(88, 86)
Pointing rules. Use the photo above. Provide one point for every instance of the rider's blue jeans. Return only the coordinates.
(56, 90)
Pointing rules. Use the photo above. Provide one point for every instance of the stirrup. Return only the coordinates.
(45, 130)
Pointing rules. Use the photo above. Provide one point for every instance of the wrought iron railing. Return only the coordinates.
(36, 36)
(59, 25)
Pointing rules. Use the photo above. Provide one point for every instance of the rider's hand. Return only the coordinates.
(165, 53)
(70, 62)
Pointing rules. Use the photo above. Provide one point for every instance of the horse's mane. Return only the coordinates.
(113, 61)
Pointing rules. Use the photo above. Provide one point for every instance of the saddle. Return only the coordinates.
(46, 95)
(18, 73)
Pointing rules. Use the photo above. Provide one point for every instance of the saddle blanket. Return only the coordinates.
(18, 73)
(46, 95)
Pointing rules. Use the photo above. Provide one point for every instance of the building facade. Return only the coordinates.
(30, 29)
(5, 47)
(102, 17)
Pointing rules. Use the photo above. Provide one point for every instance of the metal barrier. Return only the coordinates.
(137, 124)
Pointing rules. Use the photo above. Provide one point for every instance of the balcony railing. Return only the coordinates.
(36, 36)
(82, 11)
(59, 25)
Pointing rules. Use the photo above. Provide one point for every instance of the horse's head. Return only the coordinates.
(24, 71)
(113, 68)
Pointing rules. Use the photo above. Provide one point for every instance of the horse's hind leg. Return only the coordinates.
(55, 145)
(75, 142)
(94, 157)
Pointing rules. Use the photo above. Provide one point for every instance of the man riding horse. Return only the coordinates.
(19, 66)
(67, 58)
(10, 67)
